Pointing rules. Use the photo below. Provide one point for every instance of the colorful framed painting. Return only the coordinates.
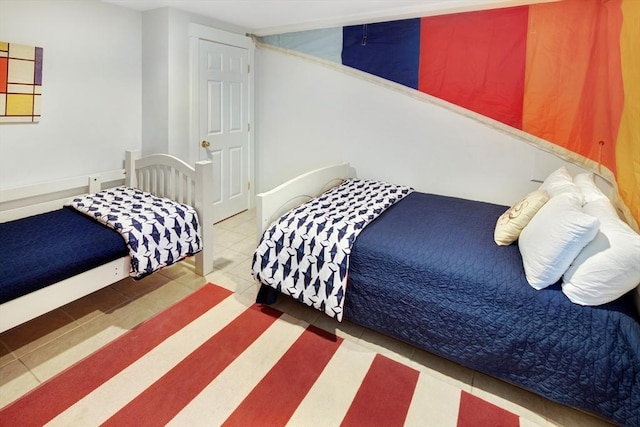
(20, 83)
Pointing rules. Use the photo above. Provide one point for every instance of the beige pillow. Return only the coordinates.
(511, 223)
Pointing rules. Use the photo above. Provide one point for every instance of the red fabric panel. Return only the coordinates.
(477, 60)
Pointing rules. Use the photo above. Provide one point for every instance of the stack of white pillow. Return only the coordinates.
(569, 229)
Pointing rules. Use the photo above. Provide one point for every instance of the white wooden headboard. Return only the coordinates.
(274, 203)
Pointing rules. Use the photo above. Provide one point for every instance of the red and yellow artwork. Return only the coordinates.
(20, 83)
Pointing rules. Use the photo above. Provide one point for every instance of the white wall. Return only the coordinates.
(91, 106)
(311, 115)
(105, 65)
(165, 80)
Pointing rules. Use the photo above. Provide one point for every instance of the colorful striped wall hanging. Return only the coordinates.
(563, 76)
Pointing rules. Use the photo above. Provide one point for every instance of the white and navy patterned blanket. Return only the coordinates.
(305, 254)
(157, 231)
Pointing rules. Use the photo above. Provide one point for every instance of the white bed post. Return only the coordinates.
(204, 206)
(131, 178)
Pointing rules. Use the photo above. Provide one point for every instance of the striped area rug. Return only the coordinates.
(210, 360)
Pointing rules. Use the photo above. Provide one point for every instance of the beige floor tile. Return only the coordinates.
(15, 381)
(165, 296)
(248, 216)
(242, 270)
(514, 399)
(388, 346)
(228, 259)
(562, 416)
(74, 346)
(34, 334)
(134, 288)
(525, 422)
(246, 246)
(184, 272)
(6, 355)
(230, 281)
(345, 329)
(444, 370)
(224, 238)
(292, 307)
(94, 304)
(246, 228)
(232, 222)
(248, 296)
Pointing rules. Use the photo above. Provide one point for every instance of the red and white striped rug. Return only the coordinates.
(210, 360)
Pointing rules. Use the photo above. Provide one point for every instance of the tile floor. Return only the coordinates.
(38, 350)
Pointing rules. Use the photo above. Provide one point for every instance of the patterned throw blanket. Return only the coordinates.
(305, 254)
(157, 231)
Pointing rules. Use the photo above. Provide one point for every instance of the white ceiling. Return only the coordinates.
(264, 17)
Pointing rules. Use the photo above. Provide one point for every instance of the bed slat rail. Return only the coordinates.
(168, 176)
(164, 176)
(20, 202)
(171, 178)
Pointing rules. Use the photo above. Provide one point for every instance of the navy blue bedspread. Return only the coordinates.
(428, 272)
(44, 249)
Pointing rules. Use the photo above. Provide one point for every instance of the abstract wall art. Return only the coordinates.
(20, 83)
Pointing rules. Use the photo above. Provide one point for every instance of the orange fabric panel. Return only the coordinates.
(628, 144)
(476, 60)
(573, 85)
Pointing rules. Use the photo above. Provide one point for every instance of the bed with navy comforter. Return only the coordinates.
(92, 230)
(44, 249)
(428, 272)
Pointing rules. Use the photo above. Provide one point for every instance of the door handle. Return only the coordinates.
(205, 144)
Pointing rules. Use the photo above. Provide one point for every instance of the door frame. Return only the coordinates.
(199, 32)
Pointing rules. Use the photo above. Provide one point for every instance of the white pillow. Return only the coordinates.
(609, 266)
(511, 223)
(553, 238)
(588, 188)
(561, 182)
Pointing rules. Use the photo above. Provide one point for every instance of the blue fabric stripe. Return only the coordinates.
(390, 50)
(325, 43)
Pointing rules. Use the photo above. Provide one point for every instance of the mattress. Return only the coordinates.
(428, 272)
(44, 249)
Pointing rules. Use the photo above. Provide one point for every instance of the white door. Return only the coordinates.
(224, 123)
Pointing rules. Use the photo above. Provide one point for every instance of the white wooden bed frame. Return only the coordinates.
(160, 174)
(272, 204)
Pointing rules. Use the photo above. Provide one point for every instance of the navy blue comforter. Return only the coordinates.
(44, 249)
(428, 272)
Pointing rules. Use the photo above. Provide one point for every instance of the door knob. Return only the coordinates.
(205, 144)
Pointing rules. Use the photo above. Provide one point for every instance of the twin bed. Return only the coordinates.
(427, 271)
(53, 254)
